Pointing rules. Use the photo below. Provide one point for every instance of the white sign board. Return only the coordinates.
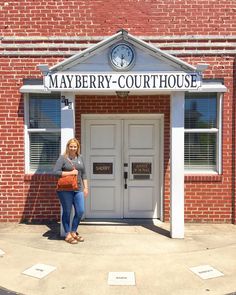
(206, 272)
(1, 252)
(39, 270)
(122, 81)
(121, 279)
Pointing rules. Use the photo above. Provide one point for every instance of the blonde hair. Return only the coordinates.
(72, 140)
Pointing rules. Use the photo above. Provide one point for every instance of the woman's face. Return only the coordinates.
(73, 148)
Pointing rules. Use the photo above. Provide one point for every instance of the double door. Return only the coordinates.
(123, 167)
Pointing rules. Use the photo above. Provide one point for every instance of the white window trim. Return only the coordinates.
(218, 131)
(26, 135)
(219, 137)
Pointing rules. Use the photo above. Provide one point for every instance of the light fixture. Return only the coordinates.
(44, 69)
(122, 94)
(201, 67)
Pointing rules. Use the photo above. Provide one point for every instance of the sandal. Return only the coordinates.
(71, 240)
(77, 237)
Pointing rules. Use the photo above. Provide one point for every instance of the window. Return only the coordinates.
(43, 131)
(202, 132)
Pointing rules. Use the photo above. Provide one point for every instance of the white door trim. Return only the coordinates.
(159, 117)
(121, 116)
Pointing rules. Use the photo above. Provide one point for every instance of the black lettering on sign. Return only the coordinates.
(204, 271)
(142, 168)
(102, 168)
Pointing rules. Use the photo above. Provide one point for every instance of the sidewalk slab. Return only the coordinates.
(161, 264)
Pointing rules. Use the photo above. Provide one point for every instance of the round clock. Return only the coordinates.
(122, 56)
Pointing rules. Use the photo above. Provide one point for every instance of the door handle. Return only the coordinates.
(125, 178)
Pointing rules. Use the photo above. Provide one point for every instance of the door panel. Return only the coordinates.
(139, 136)
(140, 198)
(103, 155)
(140, 153)
(103, 136)
(102, 199)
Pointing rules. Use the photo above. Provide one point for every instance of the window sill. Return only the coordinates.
(203, 178)
(29, 177)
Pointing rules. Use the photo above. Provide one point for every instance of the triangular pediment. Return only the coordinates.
(96, 58)
(152, 71)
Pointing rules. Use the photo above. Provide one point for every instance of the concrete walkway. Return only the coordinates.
(161, 264)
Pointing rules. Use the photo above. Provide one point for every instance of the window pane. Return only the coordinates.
(44, 111)
(200, 151)
(44, 150)
(201, 110)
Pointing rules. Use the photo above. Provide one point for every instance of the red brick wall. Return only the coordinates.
(98, 17)
(21, 197)
(234, 146)
(211, 198)
(207, 198)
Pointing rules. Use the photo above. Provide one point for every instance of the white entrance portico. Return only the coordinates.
(125, 65)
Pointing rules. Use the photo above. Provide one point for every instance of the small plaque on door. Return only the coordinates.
(102, 168)
(141, 168)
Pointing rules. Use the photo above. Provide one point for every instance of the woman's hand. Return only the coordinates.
(85, 191)
(74, 172)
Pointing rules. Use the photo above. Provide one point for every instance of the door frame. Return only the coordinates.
(159, 117)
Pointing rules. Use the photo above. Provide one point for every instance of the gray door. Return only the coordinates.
(122, 158)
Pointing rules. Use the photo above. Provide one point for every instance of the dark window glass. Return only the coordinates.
(44, 111)
(201, 111)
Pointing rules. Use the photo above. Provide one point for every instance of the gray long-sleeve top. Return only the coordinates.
(63, 164)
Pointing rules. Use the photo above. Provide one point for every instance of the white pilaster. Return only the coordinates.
(67, 119)
(67, 130)
(177, 166)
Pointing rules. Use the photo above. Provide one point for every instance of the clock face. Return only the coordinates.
(122, 56)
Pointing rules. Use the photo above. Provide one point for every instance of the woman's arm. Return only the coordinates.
(58, 168)
(85, 182)
(84, 177)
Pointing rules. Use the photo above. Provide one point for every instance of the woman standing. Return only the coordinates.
(71, 163)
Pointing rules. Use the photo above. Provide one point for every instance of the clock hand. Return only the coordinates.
(122, 60)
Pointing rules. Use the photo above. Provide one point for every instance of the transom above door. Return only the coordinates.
(123, 157)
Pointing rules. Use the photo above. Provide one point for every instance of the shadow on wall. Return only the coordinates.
(41, 202)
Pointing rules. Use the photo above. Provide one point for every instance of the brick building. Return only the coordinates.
(150, 93)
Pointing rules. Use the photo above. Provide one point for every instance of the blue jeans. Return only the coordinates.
(69, 199)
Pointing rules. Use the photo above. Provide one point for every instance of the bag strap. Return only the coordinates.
(71, 163)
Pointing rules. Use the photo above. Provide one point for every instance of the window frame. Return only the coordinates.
(218, 132)
(27, 132)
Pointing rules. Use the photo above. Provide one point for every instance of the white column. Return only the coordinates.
(67, 120)
(67, 129)
(177, 166)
